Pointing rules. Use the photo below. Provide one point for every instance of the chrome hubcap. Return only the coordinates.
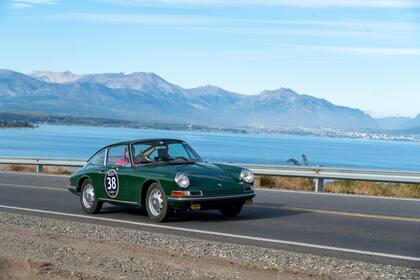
(88, 196)
(155, 202)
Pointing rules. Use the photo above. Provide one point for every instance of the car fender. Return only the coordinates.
(80, 182)
(143, 189)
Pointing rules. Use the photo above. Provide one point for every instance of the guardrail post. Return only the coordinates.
(319, 184)
(39, 168)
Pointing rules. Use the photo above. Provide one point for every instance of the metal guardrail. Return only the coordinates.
(319, 174)
(41, 162)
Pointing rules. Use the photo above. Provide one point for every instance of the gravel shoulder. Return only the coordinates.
(33, 247)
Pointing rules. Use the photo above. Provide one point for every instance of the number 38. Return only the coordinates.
(111, 183)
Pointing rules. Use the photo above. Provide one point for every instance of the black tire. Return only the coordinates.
(95, 206)
(157, 209)
(231, 210)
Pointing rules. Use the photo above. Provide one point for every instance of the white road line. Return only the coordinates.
(342, 195)
(245, 237)
(32, 187)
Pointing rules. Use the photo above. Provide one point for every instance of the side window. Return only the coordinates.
(97, 160)
(118, 156)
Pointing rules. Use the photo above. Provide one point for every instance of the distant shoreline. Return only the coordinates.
(27, 120)
(16, 124)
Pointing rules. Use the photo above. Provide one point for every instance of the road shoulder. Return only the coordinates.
(70, 249)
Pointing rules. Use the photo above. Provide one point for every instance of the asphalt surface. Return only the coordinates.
(388, 230)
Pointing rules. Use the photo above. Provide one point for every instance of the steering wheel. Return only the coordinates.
(184, 158)
(162, 159)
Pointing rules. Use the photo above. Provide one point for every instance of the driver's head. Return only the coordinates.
(163, 152)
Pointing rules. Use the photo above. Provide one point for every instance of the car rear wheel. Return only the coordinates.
(88, 200)
(231, 210)
(156, 203)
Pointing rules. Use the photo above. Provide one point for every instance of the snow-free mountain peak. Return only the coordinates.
(56, 77)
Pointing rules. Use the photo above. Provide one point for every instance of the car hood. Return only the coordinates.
(211, 179)
(204, 170)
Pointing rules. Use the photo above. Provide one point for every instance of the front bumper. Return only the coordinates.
(73, 189)
(209, 202)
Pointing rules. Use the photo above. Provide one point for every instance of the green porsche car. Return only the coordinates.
(162, 175)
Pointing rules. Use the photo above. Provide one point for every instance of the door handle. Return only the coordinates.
(102, 171)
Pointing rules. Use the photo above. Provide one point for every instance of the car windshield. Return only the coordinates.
(172, 152)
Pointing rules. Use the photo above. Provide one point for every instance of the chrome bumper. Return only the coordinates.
(72, 189)
(212, 198)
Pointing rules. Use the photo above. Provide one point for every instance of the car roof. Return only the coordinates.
(143, 140)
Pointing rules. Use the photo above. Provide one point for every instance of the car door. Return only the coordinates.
(117, 176)
(95, 170)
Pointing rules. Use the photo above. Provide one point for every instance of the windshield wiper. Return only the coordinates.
(180, 162)
(146, 162)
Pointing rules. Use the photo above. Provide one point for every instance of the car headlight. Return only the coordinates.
(182, 180)
(247, 176)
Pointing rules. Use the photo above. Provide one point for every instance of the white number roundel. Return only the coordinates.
(111, 183)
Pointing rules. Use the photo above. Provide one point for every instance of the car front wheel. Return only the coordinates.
(156, 203)
(89, 201)
(231, 210)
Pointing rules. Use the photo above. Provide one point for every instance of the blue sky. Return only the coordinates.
(359, 53)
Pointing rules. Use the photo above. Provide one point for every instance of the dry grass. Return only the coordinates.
(374, 188)
(18, 168)
(342, 186)
(289, 183)
(31, 168)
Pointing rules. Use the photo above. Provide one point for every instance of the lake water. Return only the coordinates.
(81, 142)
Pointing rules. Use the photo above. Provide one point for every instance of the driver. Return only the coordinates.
(162, 153)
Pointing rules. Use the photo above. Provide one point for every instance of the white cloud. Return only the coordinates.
(382, 51)
(296, 3)
(367, 50)
(346, 28)
(273, 28)
(158, 19)
(241, 23)
(292, 52)
(20, 4)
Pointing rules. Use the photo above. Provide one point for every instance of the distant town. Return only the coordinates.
(341, 133)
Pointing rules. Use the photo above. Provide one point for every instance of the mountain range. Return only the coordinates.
(148, 97)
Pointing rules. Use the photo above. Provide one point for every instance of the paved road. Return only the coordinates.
(371, 229)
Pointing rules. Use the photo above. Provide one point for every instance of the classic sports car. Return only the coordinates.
(161, 175)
